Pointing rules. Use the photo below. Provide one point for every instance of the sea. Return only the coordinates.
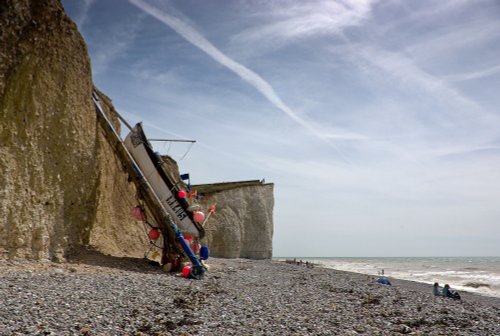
(472, 274)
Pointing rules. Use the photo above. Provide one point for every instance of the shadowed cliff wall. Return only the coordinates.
(60, 185)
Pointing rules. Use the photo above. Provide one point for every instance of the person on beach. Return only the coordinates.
(435, 290)
(384, 281)
(447, 292)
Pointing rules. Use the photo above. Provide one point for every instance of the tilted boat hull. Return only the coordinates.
(150, 164)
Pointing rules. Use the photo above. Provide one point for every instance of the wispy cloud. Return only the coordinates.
(447, 129)
(461, 149)
(113, 44)
(455, 40)
(294, 20)
(82, 17)
(440, 118)
(195, 38)
(474, 75)
(408, 73)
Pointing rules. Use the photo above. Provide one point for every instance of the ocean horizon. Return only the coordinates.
(479, 275)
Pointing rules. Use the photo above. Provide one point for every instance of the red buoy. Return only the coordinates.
(154, 234)
(186, 270)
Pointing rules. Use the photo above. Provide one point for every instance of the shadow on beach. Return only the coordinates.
(96, 259)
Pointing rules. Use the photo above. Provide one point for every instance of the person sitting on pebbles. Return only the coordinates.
(447, 292)
(435, 290)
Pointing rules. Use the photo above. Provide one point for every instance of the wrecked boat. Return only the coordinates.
(169, 212)
(151, 165)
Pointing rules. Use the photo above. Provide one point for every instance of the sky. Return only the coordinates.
(377, 121)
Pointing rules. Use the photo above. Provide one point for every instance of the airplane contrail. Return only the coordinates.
(195, 38)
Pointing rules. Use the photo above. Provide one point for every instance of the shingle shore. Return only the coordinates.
(100, 295)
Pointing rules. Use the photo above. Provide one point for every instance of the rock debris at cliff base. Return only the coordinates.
(237, 297)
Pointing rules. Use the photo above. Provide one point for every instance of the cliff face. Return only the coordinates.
(113, 230)
(60, 185)
(242, 226)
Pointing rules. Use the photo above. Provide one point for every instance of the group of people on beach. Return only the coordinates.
(445, 292)
(300, 263)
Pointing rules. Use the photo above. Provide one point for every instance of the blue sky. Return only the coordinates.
(377, 121)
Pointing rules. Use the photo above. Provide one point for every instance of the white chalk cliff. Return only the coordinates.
(242, 225)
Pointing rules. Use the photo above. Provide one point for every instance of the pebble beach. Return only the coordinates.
(91, 294)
